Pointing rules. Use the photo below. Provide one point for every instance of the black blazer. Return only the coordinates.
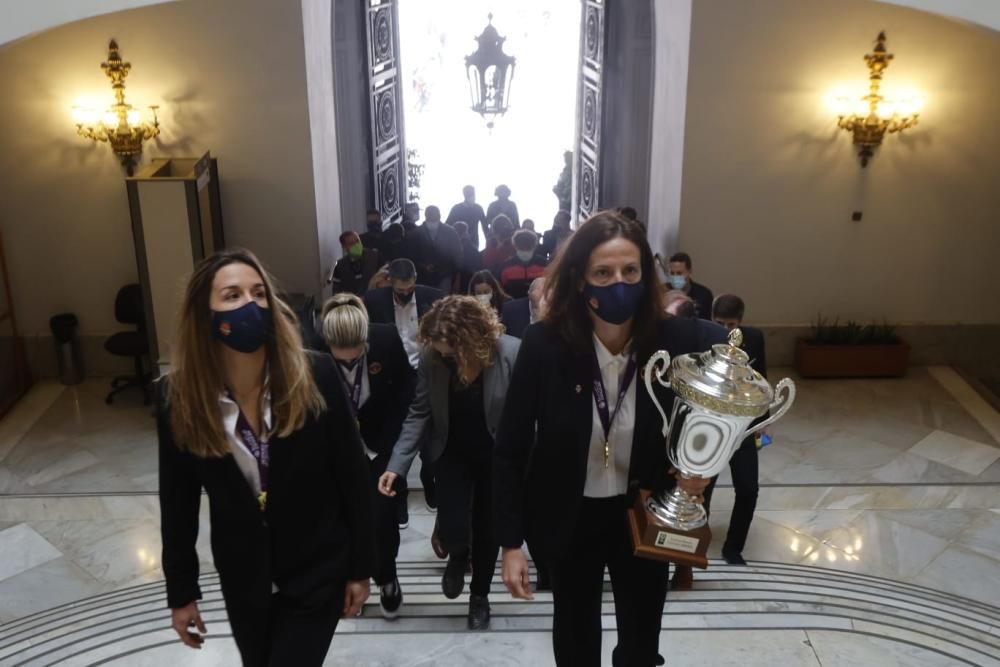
(316, 532)
(380, 305)
(538, 481)
(516, 316)
(753, 345)
(391, 381)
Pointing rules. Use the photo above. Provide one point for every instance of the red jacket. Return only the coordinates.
(516, 276)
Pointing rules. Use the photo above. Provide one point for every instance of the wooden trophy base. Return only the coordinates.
(653, 539)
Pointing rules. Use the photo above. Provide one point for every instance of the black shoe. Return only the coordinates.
(403, 514)
(453, 581)
(391, 599)
(430, 498)
(479, 612)
(734, 558)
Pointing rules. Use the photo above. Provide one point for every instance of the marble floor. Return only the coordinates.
(876, 542)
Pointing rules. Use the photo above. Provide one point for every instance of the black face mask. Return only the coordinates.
(374, 226)
(403, 298)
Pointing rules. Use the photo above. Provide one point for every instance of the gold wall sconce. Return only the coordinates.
(120, 125)
(870, 117)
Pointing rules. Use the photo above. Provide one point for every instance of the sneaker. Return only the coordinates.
(391, 599)
(479, 612)
(453, 581)
(403, 515)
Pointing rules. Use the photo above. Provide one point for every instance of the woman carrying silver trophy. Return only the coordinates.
(580, 436)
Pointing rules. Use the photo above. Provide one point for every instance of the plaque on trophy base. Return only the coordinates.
(651, 538)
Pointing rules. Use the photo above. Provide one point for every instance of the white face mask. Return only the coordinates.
(525, 255)
(485, 299)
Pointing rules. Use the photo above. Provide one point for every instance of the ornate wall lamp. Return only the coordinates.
(490, 72)
(869, 118)
(120, 125)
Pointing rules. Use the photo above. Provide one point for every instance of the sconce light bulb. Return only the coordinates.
(134, 118)
(110, 120)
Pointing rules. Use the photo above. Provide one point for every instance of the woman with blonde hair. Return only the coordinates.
(265, 429)
(462, 383)
(379, 382)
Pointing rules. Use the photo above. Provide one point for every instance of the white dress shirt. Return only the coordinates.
(613, 480)
(407, 323)
(245, 459)
(349, 377)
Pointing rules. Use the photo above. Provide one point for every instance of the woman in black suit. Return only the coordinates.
(563, 481)
(462, 384)
(266, 429)
(380, 383)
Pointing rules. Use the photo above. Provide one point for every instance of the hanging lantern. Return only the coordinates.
(490, 72)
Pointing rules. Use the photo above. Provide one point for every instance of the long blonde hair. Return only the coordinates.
(468, 327)
(196, 377)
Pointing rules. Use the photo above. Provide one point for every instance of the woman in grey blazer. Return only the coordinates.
(462, 383)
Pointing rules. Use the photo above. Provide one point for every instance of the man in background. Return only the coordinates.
(679, 275)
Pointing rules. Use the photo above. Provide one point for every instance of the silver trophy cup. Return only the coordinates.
(718, 396)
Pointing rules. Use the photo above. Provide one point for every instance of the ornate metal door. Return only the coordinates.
(591, 98)
(386, 108)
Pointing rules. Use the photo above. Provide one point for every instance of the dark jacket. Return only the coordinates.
(437, 257)
(702, 297)
(352, 275)
(551, 392)
(391, 381)
(753, 344)
(516, 316)
(471, 214)
(428, 416)
(315, 534)
(380, 304)
(515, 276)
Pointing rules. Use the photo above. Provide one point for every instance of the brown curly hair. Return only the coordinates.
(468, 327)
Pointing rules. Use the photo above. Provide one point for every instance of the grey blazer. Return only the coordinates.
(429, 410)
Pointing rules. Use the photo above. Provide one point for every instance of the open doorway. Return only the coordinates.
(453, 145)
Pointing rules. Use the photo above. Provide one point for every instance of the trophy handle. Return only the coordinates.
(658, 364)
(779, 406)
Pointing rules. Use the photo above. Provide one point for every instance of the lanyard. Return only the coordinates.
(600, 399)
(354, 389)
(260, 449)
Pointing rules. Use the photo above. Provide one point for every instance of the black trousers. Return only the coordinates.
(386, 526)
(743, 467)
(287, 633)
(465, 511)
(639, 585)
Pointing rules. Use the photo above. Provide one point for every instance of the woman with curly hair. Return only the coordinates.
(462, 384)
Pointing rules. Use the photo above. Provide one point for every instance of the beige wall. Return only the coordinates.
(229, 76)
(769, 183)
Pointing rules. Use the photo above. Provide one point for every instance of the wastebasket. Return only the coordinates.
(69, 359)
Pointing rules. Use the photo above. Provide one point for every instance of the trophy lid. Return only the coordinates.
(722, 380)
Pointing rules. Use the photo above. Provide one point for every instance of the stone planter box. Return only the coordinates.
(851, 361)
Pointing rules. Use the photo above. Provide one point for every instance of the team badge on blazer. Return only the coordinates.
(374, 368)
(578, 389)
(225, 329)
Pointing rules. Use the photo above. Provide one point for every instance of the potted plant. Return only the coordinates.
(851, 350)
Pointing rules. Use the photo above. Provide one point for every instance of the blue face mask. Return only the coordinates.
(615, 304)
(678, 282)
(244, 329)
